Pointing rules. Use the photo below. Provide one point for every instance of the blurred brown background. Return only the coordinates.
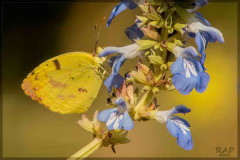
(35, 32)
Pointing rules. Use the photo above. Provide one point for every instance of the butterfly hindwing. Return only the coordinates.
(68, 83)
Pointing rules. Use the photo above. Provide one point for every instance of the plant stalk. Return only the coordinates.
(87, 150)
(146, 99)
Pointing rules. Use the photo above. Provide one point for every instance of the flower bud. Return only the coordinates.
(155, 90)
(164, 67)
(146, 88)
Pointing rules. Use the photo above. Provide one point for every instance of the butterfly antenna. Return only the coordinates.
(99, 28)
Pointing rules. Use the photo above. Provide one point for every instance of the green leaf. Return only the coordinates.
(183, 13)
(152, 16)
(170, 30)
(179, 27)
(157, 46)
(145, 44)
(138, 77)
(144, 8)
(155, 2)
(142, 19)
(164, 67)
(147, 53)
(158, 24)
(168, 21)
(156, 60)
(163, 8)
(161, 49)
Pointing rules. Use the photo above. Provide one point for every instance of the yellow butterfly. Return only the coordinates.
(68, 83)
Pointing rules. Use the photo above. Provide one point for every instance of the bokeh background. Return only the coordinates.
(35, 32)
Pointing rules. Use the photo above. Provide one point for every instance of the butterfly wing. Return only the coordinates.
(68, 83)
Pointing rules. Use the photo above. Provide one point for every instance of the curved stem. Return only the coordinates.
(87, 150)
(146, 99)
(164, 35)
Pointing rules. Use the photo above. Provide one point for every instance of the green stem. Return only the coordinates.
(87, 150)
(164, 35)
(146, 99)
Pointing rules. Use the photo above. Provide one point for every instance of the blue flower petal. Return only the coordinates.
(112, 59)
(203, 58)
(172, 117)
(108, 50)
(200, 3)
(190, 51)
(121, 7)
(177, 66)
(184, 85)
(115, 121)
(134, 32)
(131, 4)
(116, 10)
(202, 45)
(212, 35)
(188, 73)
(185, 141)
(118, 120)
(109, 82)
(121, 103)
(127, 122)
(172, 128)
(191, 34)
(202, 19)
(201, 42)
(103, 116)
(179, 128)
(181, 109)
(202, 82)
(197, 64)
(118, 63)
(113, 81)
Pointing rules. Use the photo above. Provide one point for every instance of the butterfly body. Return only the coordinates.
(68, 83)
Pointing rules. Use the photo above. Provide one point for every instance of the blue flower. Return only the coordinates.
(197, 5)
(115, 81)
(178, 127)
(188, 72)
(117, 118)
(200, 18)
(127, 52)
(123, 5)
(134, 32)
(201, 3)
(201, 29)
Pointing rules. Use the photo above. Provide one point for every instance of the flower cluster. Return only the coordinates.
(160, 39)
